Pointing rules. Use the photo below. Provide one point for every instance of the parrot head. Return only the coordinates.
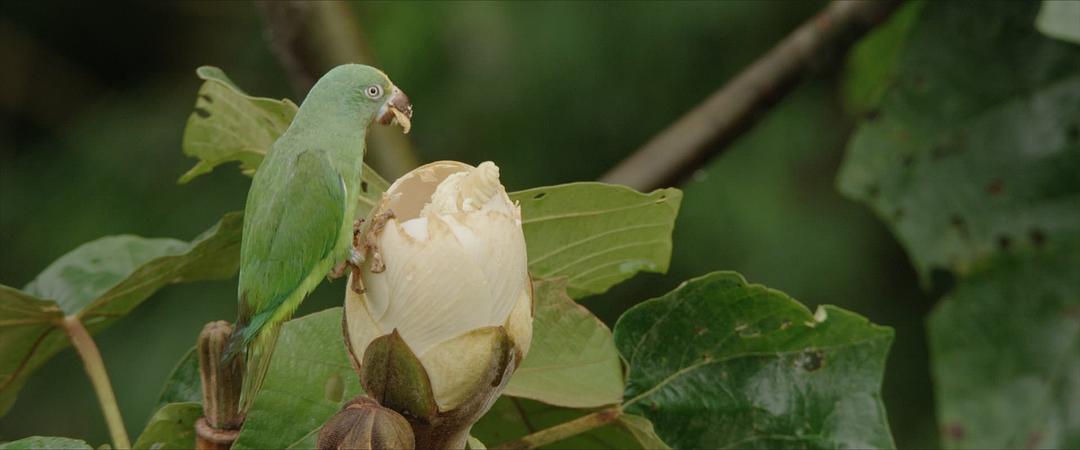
(378, 97)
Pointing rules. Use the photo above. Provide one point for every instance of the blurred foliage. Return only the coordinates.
(95, 98)
(975, 171)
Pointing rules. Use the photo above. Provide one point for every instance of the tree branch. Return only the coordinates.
(705, 131)
(310, 38)
(95, 369)
(564, 430)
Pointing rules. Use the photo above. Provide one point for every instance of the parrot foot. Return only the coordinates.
(371, 241)
(338, 271)
(357, 284)
(356, 258)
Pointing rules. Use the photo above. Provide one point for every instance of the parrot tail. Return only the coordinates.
(257, 364)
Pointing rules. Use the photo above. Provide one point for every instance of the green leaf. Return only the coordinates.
(1059, 19)
(39, 442)
(511, 418)
(1005, 348)
(572, 360)
(962, 163)
(228, 125)
(99, 282)
(719, 363)
(309, 380)
(184, 383)
(172, 427)
(596, 234)
(871, 64)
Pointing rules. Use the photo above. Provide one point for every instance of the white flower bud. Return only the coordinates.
(455, 271)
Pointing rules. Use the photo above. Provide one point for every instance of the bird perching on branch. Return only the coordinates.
(298, 220)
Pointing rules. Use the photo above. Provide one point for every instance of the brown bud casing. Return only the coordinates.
(363, 424)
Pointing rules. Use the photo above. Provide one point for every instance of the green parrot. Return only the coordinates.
(298, 221)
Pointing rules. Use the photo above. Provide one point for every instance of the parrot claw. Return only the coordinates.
(357, 284)
(337, 272)
(356, 257)
(371, 239)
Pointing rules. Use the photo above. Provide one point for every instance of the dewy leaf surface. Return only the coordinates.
(595, 234)
(310, 378)
(99, 282)
(512, 418)
(966, 164)
(1005, 348)
(719, 363)
(572, 360)
(171, 427)
(229, 125)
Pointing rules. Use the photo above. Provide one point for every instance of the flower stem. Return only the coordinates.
(95, 368)
(564, 430)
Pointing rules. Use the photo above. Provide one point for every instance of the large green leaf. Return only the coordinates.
(310, 378)
(43, 442)
(184, 383)
(99, 282)
(229, 125)
(720, 363)
(572, 361)
(596, 234)
(967, 163)
(172, 427)
(512, 418)
(871, 64)
(1006, 354)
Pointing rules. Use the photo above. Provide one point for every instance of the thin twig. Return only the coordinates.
(686, 145)
(310, 38)
(564, 430)
(95, 368)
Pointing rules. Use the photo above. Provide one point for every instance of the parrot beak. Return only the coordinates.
(396, 110)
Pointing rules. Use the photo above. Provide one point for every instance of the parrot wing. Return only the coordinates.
(293, 224)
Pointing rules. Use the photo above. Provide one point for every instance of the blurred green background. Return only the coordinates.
(94, 98)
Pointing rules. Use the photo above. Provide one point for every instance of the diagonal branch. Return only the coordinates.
(310, 38)
(705, 131)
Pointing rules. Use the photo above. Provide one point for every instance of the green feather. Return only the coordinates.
(299, 213)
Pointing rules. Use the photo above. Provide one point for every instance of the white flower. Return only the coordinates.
(455, 272)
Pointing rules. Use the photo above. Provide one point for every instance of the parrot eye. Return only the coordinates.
(374, 91)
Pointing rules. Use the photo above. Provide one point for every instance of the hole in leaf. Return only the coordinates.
(207, 98)
(959, 224)
(540, 196)
(363, 186)
(811, 360)
(202, 113)
(1038, 238)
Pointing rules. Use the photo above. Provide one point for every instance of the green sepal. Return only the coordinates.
(450, 429)
(393, 376)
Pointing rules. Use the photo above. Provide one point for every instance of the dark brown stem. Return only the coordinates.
(221, 384)
(705, 131)
(310, 38)
(564, 430)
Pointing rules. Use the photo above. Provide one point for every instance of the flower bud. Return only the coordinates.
(446, 307)
(363, 424)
